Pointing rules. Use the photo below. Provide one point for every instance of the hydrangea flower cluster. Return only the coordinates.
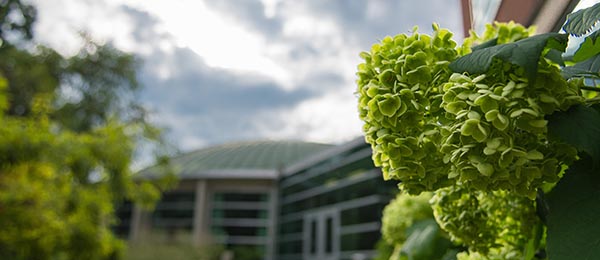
(495, 136)
(495, 224)
(400, 101)
(431, 128)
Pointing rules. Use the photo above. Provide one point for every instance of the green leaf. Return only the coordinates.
(532, 246)
(490, 43)
(574, 217)
(589, 68)
(579, 126)
(556, 57)
(425, 241)
(582, 21)
(525, 53)
(588, 48)
(450, 254)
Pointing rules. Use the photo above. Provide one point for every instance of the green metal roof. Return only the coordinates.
(240, 157)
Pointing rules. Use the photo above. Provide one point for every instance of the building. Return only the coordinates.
(297, 200)
(330, 205)
(272, 200)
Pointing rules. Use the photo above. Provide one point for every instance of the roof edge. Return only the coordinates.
(317, 157)
(231, 174)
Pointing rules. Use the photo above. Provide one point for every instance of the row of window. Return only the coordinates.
(323, 213)
(326, 211)
(243, 227)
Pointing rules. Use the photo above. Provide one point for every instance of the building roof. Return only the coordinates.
(256, 159)
(324, 155)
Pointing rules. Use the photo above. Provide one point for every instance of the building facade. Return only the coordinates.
(271, 200)
(330, 205)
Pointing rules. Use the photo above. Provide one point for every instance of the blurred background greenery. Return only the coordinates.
(158, 246)
(70, 131)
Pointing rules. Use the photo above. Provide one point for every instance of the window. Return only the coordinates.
(328, 235)
(240, 222)
(321, 235)
(175, 211)
(313, 237)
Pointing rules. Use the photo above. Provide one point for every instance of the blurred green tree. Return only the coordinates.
(70, 128)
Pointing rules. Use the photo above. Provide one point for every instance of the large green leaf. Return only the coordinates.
(555, 56)
(589, 68)
(490, 43)
(579, 126)
(525, 53)
(574, 217)
(582, 21)
(588, 48)
(425, 242)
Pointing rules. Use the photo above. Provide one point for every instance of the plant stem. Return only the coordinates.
(590, 88)
(595, 100)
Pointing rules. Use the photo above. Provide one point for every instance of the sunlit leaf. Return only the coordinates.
(525, 53)
(582, 21)
(490, 43)
(588, 48)
(589, 68)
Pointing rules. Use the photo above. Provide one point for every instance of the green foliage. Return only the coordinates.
(426, 241)
(16, 17)
(247, 252)
(524, 53)
(69, 134)
(55, 209)
(459, 118)
(491, 138)
(494, 34)
(408, 225)
(582, 21)
(103, 79)
(589, 68)
(584, 118)
(588, 48)
(402, 213)
(99, 81)
(503, 33)
(573, 223)
(384, 250)
(156, 247)
(471, 256)
(24, 72)
(496, 224)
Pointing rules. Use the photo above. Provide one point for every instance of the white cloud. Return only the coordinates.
(190, 24)
(270, 7)
(221, 43)
(61, 21)
(315, 50)
(181, 129)
(329, 118)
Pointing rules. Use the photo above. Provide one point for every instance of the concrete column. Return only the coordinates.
(200, 229)
(135, 225)
(273, 220)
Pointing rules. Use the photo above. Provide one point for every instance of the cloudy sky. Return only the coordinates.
(229, 70)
